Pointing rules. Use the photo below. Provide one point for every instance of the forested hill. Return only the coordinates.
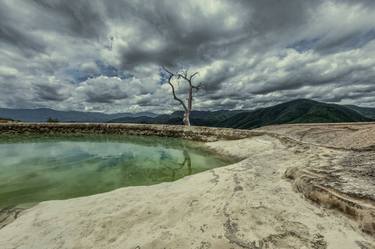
(296, 111)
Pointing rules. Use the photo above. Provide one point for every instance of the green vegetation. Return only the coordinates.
(296, 111)
(199, 118)
(365, 111)
(52, 120)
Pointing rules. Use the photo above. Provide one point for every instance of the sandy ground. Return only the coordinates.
(355, 136)
(250, 204)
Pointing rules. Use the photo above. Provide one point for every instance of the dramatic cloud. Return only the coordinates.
(107, 55)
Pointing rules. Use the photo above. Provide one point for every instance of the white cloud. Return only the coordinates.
(8, 71)
(106, 56)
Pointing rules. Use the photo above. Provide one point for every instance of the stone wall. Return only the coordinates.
(191, 133)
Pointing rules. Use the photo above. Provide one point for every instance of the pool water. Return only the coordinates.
(34, 169)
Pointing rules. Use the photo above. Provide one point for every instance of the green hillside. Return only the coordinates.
(364, 111)
(198, 118)
(296, 111)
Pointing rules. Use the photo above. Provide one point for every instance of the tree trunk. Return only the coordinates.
(190, 99)
(186, 118)
(189, 107)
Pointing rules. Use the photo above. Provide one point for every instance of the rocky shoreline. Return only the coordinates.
(250, 204)
(8, 215)
(191, 133)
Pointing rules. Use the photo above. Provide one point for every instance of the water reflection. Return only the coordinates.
(34, 169)
(181, 166)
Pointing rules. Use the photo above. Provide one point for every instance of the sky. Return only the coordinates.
(107, 56)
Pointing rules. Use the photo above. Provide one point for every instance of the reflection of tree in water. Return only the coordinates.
(164, 155)
(186, 162)
(144, 172)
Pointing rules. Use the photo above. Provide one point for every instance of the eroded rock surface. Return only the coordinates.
(193, 133)
(8, 215)
(348, 136)
(250, 204)
(340, 168)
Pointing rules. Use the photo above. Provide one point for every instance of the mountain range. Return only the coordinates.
(295, 111)
(43, 114)
(365, 111)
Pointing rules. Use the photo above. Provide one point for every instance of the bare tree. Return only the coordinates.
(189, 79)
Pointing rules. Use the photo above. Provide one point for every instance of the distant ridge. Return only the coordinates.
(295, 111)
(365, 111)
(43, 114)
(200, 118)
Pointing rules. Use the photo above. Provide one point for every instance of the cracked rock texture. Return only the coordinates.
(250, 204)
(340, 168)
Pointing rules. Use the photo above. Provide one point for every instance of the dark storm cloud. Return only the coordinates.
(107, 98)
(183, 40)
(272, 15)
(349, 41)
(103, 90)
(13, 36)
(311, 77)
(45, 92)
(107, 55)
(81, 18)
(200, 37)
(265, 25)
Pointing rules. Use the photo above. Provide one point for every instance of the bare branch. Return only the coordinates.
(198, 87)
(182, 75)
(171, 75)
(193, 75)
(169, 72)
